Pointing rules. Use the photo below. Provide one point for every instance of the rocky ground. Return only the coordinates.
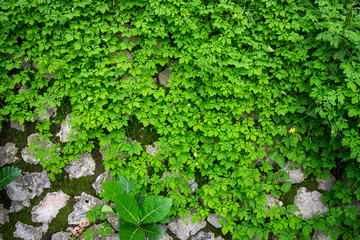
(33, 207)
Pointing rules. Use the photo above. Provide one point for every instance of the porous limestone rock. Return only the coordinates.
(49, 207)
(309, 203)
(47, 113)
(183, 228)
(205, 236)
(60, 236)
(152, 149)
(164, 76)
(327, 184)
(214, 219)
(4, 214)
(28, 232)
(193, 185)
(8, 154)
(65, 130)
(296, 175)
(97, 234)
(166, 237)
(15, 124)
(113, 220)
(84, 204)
(83, 166)
(28, 155)
(105, 176)
(271, 202)
(320, 235)
(112, 237)
(26, 187)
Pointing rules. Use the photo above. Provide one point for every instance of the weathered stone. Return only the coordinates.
(65, 130)
(84, 204)
(296, 175)
(49, 207)
(166, 237)
(309, 203)
(26, 187)
(113, 220)
(81, 167)
(164, 76)
(28, 155)
(327, 184)
(4, 214)
(193, 185)
(97, 234)
(46, 113)
(105, 176)
(112, 237)
(8, 154)
(152, 149)
(214, 219)
(60, 236)
(15, 124)
(23, 89)
(185, 228)
(271, 202)
(320, 235)
(28, 232)
(128, 54)
(205, 236)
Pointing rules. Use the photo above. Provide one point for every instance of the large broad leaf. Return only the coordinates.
(8, 174)
(153, 232)
(112, 189)
(131, 232)
(154, 209)
(286, 187)
(126, 205)
(126, 185)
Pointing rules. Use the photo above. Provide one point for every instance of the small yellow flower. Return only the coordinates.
(196, 164)
(195, 154)
(72, 9)
(292, 130)
(189, 105)
(235, 15)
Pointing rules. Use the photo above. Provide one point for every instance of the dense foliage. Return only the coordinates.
(251, 80)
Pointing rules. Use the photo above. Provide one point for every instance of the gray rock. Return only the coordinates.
(112, 237)
(113, 220)
(164, 76)
(185, 228)
(105, 176)
(128, 54)
(28, 155)
(271, 202)
(296, 175)
(166, 237)
(327, 184)
(28, 232)
(23, 89)
(81, 167)
(214, 219)
(84, 204)
(152, 149)
(4, 214)
(60, 236)
(15, 124)
(46, 113)
(26, 187)
(320, 235)
(193, 185)
(65, 130)
(8, 154)
(49, 207)
(309, 203)
(205, 236)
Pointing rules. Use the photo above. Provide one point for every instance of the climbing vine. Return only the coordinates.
(250, 81)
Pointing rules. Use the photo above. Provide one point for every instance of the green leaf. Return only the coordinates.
(278, 158)
(283, 175)
(286, 187)
(154, 209)
(126, 185)
(153, 232)
(165, 220)
(292, 208)
(126, 205)
(107, 209)
(8, 174)
(131, 232)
